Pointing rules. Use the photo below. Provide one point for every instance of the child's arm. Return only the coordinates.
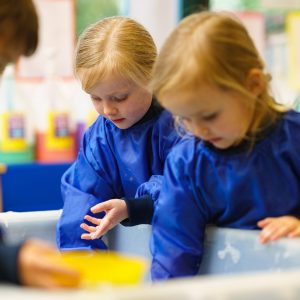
(90, 180)
(178, 223)
(276, 228)
(150, 188)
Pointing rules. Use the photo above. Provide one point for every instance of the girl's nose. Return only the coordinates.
(201, 131)
(205, 132)
(109, 109)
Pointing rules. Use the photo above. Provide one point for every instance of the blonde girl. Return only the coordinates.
(123, 153)
(240, 165)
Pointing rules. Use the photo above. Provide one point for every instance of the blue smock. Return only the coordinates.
(112, 163)
(233, 188)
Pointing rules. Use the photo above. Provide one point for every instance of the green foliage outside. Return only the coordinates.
(235, 4)
(90, 11)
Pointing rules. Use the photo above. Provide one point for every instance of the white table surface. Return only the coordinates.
(268, 286)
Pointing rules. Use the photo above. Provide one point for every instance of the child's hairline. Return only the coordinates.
(80, 75)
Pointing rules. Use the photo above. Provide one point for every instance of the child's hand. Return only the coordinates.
(115, 212)
(276, 228)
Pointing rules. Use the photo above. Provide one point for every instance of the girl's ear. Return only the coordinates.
(255, 82)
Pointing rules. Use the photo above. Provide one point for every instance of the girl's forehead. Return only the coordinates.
(202, 100)
(191, 95)
(113, 82)
(187, 105)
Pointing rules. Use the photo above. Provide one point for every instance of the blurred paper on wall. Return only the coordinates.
(293, 29)
(255, 24)
(57, 30)
(281, 4)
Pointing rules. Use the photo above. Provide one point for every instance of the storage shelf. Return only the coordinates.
(32, 187)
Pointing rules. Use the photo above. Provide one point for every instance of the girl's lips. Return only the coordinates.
(215, 140)
(118, 120)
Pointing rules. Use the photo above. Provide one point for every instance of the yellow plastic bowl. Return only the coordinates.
(98, 267)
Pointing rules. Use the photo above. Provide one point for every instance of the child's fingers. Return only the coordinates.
(263, 237)
(264, 222)
(86, 236)
(101, 207)
(97, 234)
(267, 233)
(87, 227)
(294, 233)
(93, 220)
(283, 227)
(274, 231)
(102, 229)
(280, 232)
(276, 228)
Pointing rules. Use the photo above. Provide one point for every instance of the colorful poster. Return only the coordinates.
(293, 30)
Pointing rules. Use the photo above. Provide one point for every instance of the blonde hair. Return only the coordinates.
(214, 47)
(115, 45)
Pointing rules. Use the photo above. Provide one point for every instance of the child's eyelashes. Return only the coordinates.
(97, 99)
(112, 98)
(210, 117)
(120, 98)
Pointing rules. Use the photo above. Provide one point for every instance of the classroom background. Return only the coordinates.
(44, 112)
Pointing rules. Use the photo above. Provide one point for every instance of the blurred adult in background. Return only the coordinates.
(28, 263)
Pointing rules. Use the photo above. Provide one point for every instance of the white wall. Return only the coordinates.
(158, 16)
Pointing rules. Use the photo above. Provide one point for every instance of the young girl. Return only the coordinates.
(240, 166)
(126, 145)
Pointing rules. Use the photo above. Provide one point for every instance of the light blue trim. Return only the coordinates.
(124, 7)
(179, 10)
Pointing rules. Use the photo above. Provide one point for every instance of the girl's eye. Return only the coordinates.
(96, 99)
(210, 117)
(120, 98)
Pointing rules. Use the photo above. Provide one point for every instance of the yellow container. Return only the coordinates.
(98, 267)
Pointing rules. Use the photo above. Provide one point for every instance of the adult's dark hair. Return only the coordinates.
(19, 25)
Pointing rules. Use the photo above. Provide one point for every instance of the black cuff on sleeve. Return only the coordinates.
(140, 211)
(9, 263)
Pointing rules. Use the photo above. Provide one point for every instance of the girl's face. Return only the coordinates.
(219, 117)
(120, 100)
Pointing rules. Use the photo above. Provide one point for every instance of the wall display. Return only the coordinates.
(293, 29)
(57, 34)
